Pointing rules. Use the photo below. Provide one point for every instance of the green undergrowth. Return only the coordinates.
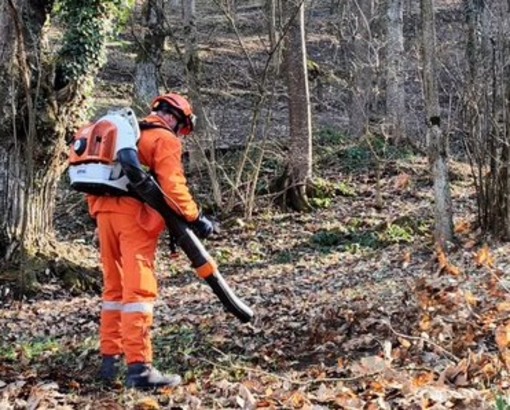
(334, 148)
(29, 351)
(196, 352)
(502, 403)
(359, 235)
(324, 191)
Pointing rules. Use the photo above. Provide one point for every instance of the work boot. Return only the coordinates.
(144, 376)
(110, 368)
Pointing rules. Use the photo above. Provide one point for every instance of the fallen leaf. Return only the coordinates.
(369, 365)
(402, 182)
(502, 336)
(324, 394)
(503, 307)
(406, 259)
(193, 402)
(297, 400)
(471, 299)
(404, 342)
(484, 258)
(463, 227)
(349, 400)
(425, 322)
(453, 270)
(192, 388)
(73, 384)
(377, 387)
(146, 404)
(423, 379)
(441, 258)
(249, 401)
(505, 356)
(107, 404)
(470, 244)
(453, 373)
(444, 265)
(489, 371)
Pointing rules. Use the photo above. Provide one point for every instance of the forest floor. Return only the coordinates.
(355, 309)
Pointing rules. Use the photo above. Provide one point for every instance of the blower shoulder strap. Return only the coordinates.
(144, 125)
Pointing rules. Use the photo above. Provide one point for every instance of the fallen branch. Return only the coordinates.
(450, 355)
(300, 382)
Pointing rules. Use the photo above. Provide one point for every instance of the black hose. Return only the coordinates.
(150, 192)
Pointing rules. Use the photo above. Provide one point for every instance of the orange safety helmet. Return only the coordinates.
(180, 107)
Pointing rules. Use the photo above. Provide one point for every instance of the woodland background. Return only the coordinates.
(361, 183)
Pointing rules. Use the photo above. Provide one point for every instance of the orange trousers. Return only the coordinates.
(130, 287)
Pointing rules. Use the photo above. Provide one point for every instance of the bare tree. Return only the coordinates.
(436, 140)
(361, 34)
(487, 111)
(395, 95)
(197, 147)
(473, 10)
(272, 13)
(203, 138)
(176, 4)
(299, 167)
(360, 67)
(150, 54)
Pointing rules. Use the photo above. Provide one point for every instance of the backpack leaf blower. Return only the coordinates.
(145, 187)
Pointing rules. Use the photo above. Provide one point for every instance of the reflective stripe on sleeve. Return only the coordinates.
(115, 306)
(139, 307)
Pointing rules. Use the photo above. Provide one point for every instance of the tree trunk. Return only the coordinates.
(395, 96)
(273, 13)
(496, 31)
(203, 139)
(299, 167)
(175, 5)
(271, 7)
(150, 55)
(27, 192)
(473, 19)
(436, 139)
(360, 67)
(44, 102)
(197, 145)
(231, 8)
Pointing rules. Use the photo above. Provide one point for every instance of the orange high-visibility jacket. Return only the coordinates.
(160, 150)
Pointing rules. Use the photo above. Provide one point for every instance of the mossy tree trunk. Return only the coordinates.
(28, 172)
(41, 99)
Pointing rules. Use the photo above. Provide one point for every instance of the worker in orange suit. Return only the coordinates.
(128, 232)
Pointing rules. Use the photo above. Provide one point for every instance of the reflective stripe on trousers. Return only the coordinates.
(111, 306)
(138, 307)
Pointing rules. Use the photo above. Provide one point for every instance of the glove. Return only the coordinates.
(203, 227)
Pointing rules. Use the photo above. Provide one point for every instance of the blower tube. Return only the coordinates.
(144, 186)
